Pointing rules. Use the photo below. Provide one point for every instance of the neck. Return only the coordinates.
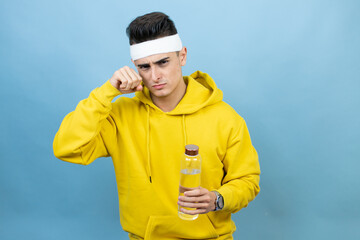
(170, 102)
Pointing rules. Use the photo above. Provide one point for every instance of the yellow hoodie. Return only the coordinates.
(146, 145)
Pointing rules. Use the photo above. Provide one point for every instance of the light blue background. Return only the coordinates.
(290, 68)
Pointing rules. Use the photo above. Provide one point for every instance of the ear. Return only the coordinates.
(182, 56)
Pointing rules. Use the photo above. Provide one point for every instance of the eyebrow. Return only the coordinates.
(157, 62)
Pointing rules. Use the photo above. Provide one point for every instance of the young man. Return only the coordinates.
(146, 135)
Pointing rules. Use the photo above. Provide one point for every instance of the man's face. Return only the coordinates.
(161, 73)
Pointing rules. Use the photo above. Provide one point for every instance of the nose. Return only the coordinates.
(155, 74)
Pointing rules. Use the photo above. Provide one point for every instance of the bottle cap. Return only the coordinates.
(191, 150)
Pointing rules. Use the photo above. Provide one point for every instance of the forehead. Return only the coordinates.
(154, 58)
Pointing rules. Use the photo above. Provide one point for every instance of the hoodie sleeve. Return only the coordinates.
(81, 136)
(241, 181)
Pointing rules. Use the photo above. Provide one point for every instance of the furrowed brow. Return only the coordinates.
(144, 65)
(161, 60)
(157, 62)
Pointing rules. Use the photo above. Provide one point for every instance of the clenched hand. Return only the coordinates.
(126, 80)
(200, 198)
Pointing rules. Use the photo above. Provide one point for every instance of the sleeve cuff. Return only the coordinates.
(227, 196)
(106, 93)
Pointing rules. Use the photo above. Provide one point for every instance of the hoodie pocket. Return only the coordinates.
(172, 227)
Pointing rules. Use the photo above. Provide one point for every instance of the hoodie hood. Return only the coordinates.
(201, 91)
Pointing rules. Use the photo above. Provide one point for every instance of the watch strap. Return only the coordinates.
(219, 198)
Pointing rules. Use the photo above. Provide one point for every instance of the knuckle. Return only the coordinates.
(118, 75)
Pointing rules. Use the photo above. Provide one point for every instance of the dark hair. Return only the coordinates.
(149, 27)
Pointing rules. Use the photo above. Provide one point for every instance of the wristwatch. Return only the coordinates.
(219, 203)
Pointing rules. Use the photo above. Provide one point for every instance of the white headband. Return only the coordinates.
(161, 45)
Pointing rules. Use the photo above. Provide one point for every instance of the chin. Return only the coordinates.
(160, 95)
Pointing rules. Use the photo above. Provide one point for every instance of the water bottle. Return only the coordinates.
(190, 169)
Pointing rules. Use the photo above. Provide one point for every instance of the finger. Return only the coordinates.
(139, 88)
(133, 79)
(203, 198)
(136, 77)
(196, 192)
(133, 74)
(193, 212)
(193, 205)
(116, 80)
(127, 78)
(136, 74)
(123, 80)
(134, 84)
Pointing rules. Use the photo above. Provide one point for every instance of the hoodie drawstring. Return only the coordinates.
(184, 129)
(148, 142)
(148, 139)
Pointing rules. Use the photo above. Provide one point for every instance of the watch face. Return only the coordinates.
(221, 202)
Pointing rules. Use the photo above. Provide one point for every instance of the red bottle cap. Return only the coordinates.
(191, 150)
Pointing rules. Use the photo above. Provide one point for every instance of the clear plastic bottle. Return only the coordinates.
(190, 169)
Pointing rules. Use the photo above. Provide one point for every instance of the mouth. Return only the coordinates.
(159, 86)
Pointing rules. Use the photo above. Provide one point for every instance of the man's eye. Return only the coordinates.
(144, 67)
